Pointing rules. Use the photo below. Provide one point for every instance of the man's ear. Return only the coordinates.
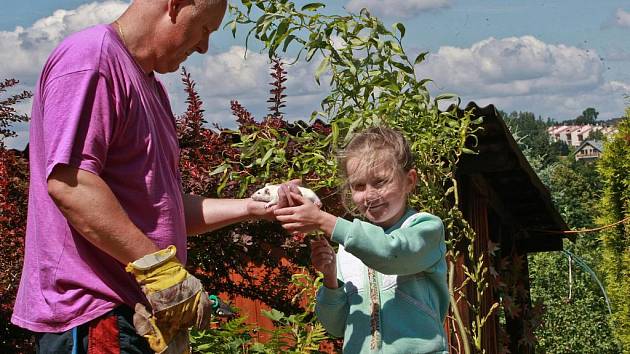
(174, 6)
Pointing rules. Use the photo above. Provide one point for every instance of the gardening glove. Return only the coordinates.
(177, 301)
(146, 326)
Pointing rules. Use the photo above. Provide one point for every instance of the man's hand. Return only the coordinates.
(259, 210)
(177, 300)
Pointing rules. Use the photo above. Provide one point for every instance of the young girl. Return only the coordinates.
(385, 290)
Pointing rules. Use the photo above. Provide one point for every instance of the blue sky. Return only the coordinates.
(554, 58)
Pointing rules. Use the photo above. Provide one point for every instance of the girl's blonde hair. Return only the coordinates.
(376, 148)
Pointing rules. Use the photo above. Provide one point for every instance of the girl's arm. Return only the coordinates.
(332, 302)
(408, 250)
(332, 309)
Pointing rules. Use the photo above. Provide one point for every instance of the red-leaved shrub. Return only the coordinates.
(13, 201)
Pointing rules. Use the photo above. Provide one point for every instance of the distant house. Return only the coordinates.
(589, 150)
(575, 135)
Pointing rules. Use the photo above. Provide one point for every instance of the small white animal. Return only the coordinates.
(269, 194)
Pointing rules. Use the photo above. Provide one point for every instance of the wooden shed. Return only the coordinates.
(509, 208)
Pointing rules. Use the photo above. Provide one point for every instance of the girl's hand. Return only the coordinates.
(304, 217)
(324, 260)
(257, 210)
(284, 193)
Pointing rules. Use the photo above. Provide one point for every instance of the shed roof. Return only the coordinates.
(519, 190)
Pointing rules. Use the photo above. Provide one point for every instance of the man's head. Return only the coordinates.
(161, 34)
(190, 24)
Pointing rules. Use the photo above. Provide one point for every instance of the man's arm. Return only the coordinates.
(209, 214)
(93, 210)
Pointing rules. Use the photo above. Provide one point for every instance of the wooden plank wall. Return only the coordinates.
(475, 207)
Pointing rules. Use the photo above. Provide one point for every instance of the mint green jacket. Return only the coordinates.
(407, 287)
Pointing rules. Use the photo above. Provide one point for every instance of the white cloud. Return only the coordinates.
(397, 8)
(524, 73)
(614, 87)
(24, 50)
(622, 18)
(513, 66)
(230, 76)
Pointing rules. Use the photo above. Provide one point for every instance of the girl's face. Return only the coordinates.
(380, 196)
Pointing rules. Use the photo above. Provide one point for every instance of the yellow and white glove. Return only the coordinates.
(177, 299)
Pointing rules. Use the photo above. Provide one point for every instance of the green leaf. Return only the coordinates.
(323, 66)
(445, 96)
(335, 132)
(397, 49)
(420, 58)
(204, 347)
(218, 170)
(282, 28)
(273, 315)
(477, 121)
(353, 69)
(266, 157)
(310, 53)
(312, 6)
(233, 28)
(352, 128)
(287, 41)
(400, 27)
(403, 67)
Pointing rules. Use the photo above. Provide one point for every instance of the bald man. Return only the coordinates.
(105, 188)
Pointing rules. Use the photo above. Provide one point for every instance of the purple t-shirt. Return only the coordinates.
(95, 109)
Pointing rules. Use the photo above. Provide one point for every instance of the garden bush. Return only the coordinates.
(13, 201)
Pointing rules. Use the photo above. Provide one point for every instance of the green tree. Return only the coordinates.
(575, 189)
(588, 116)
(597, 135)
(614, 167)
(575, 320)
(532, 132)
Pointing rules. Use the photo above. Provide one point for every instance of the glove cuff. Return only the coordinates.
(152, 260)
(158, 271)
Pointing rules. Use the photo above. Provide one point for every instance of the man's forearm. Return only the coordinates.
(209, 214)
(93, 210)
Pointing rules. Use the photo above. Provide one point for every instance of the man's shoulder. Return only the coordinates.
(80, 51)
(90, 36)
